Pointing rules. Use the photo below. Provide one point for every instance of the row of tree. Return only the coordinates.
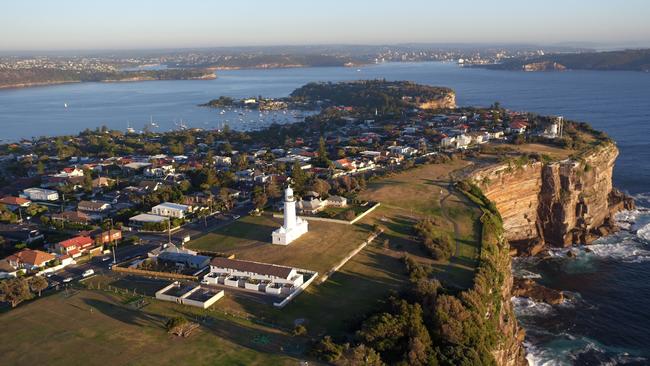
(16, 290)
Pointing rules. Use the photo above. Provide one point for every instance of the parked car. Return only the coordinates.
(67, 279)
(88, 273)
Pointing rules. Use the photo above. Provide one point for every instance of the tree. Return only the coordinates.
(360, 355)
(299, 330)
(88, 180)
(272, 190)
(299, 177)
(259, 198)
(37, 284)
(322, 159)
(321, 187)
(40, 167)
(327, 350)
(14, 291)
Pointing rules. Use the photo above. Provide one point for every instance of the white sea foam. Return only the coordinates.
(526, 307)
(627, 216)
(627, 250)
(566, 349)
(644, 233)
(524, 273)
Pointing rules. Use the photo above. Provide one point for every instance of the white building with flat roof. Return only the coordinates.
(40, 194)
(169, 209)
(294, 226)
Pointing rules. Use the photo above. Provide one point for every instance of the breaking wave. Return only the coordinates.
(526, 307)
(566, 349)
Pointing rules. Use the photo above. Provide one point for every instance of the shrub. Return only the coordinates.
(299, 330)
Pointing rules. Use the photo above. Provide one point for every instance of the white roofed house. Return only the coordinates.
(311, 206)
(169, 209)
(480, 137)
(40, 194)
(463, 141)
(337, 201)
(222, 160)
(93, 206)
(159, 171)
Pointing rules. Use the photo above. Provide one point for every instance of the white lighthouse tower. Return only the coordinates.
(293, 226)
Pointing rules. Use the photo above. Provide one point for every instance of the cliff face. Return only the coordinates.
(447, 101)
(511, 350)
(543, 66)
(558, 204)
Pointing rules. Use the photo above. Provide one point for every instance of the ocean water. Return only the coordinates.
(606, 319)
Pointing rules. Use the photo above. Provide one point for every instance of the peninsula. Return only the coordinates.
(26, 77)
(414, 207)
(627, 60)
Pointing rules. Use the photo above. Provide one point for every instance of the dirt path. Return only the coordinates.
(443, 209)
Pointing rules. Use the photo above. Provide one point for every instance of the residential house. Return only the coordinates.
(102, 182)
(337, 201)
(345, 164)
(93, 206)
(183, 260)
(75, 217)
(222, 160)
(170, 209)
(517, 127)
(20, 233)
(13, 203)
(77, 246)
(142, 219)
(159, 171)
(40, 194)
(70, 172)
(29, 259)
(102, 237)
(149, 185)
(7, 270)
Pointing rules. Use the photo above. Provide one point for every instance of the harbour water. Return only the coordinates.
(605, 320)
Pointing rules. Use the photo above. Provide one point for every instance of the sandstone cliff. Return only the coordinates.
(556, 204)
(447, 101)
(511, 350)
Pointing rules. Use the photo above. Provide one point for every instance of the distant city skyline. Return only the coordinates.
(148, 24)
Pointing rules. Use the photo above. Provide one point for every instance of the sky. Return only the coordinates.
(149, 24)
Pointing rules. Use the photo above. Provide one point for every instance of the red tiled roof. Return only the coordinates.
(10, 200)
(79, 241)
(31, 257)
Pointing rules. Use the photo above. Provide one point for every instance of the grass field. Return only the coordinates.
(425, 191)
(335, 306)
(250, 238)
(60, 330)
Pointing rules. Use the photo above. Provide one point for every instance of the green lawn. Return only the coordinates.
(60, 330)
(250, 238)
(408, 197)
(335, 306)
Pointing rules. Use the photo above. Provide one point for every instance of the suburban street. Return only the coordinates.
(148, 242)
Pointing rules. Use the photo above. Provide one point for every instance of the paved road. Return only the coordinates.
(197, 228)
(149, 241)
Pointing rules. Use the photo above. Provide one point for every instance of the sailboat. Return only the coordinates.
(152, 123)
